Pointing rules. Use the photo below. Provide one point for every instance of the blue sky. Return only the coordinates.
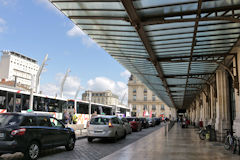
(35, 27)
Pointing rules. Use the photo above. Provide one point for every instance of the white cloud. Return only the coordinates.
(126, 74)
(2, 25)
(103, 84)
(75, 31)
(8, 2)
(70, 87)
(2, 21)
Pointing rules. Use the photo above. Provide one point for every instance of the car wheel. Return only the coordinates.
(115, 138)
(138, 129)
(125, 134)
(90, 139)
(130, 131)
(71, 144)
(33, 151)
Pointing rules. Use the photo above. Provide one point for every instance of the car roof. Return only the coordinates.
(27, 114)
(105, 116)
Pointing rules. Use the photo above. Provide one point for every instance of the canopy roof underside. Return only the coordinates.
(172, 46)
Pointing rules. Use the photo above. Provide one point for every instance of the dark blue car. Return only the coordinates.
(29, 133)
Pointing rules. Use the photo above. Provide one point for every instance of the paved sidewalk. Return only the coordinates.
(178, 144)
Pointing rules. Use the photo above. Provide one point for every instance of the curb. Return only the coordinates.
(82, 137)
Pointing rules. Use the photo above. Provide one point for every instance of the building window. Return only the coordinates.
(134, 91)
(134, 98)
(145, 90)
(145, 97)
(153, 107)
(162, 107)
(134, 107)
(144, 107)
(153, 97)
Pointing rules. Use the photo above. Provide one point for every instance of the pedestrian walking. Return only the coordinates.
(70, 117)
(65, 117)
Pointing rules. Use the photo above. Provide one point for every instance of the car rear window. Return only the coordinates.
(99, 121)
(9, 120)
(131, 119)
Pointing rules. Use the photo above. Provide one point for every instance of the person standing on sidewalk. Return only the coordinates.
(74, 118)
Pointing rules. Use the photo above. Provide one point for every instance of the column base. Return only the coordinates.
(219, 127)
(236, 127)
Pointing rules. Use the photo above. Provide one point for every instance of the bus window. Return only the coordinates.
(61, 104)
(107, 110)
(38, 104)
(82, 108)
(11, 102)
(54, 105)
(95, 108)
(18, 103)
(25, 102)
(3, 104)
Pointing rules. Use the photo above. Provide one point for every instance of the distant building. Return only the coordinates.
(13, 65)
(106, 97)
(144, 102)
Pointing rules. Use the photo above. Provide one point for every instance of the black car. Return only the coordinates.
(29, 133)
(151, 122)
(157, 120)
(145, 123)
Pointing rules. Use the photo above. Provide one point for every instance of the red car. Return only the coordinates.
(135, 123)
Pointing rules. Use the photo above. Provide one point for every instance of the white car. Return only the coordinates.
(106, 127)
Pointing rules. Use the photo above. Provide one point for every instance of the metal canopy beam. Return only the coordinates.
(160, 18)
(164, 21)
(167, 59)
(190, 74)
(198, 15)
(136, 22)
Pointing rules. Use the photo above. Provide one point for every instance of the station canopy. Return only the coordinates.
(172, 46)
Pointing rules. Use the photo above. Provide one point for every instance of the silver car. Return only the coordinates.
(127, 125)
(106, 127)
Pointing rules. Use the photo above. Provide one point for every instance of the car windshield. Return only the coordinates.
(9, 120)
(99, 121)
(131, 119)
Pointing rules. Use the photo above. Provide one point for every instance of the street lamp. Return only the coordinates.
(89, 106)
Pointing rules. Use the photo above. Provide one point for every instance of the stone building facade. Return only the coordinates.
(106, 97)
(144, 103)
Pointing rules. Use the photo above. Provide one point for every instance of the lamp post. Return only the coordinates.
(89, 106)
(62, 84)
(37, 85)
(31, 93)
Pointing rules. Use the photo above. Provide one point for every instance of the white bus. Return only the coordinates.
(81, 109)
(41, 103)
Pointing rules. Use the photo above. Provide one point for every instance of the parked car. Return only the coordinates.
(135, 123)
(151, 122)
(127, 125)
(106, 127)
(29, 133)
(157, 120)
(145, 123)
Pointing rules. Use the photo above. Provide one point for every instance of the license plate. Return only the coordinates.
(1, 135)
(98, 131)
